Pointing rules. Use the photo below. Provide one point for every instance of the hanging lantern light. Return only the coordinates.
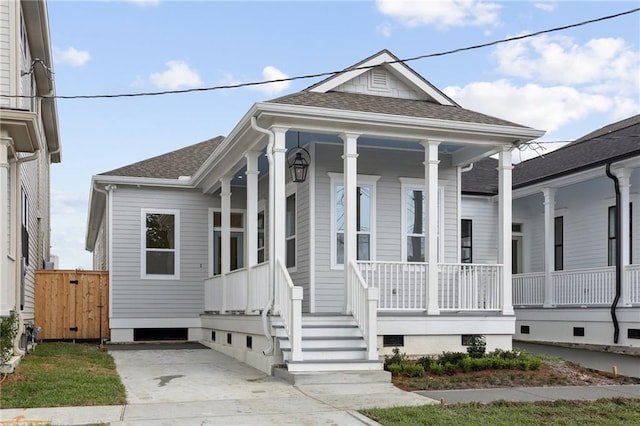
(299, 166)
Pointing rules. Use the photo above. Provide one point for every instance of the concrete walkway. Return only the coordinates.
(195, 386)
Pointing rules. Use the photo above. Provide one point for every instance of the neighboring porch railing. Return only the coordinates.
(364, 301)
(289, 301)
(633, 278)
(402, 286)
(235, 292)
(528, 289)
(593, 286)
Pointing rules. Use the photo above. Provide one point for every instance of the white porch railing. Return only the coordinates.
(364, 301)
(593, 286)
(289, 300)
(528, 289)
(402, 286)
(470, 287)
(235, 292)
(633, 278)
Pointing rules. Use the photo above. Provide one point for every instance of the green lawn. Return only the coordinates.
(63, 374)
(615, 411)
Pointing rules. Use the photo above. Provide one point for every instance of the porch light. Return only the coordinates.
(300, 164)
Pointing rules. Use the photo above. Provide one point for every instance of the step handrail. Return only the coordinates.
(364, 300)
(289, 299)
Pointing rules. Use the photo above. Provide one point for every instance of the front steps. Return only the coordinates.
(330, 343)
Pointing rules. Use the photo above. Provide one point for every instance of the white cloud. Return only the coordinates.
(72, 56)
(545, 108)
(145, 3)
(268, 73)
(545, 6)
(441, 13)
(384, 30)
(178, 75)
(605, 64)
(68, 227)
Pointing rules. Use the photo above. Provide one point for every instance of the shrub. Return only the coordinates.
(500, 353)
(451, 357)
(450, 369)
(425, 362)
(414, 370)
(395, 369)
(477, 346)
(466, 364)
(436, 369)
(396, 358)
(8, 332)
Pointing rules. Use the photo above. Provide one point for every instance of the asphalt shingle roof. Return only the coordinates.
(482, 179)
(181, 162)
(611, 143)
(386, 105)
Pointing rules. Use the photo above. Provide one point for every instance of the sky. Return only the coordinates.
(567, 83)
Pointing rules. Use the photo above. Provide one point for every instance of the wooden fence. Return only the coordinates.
(72, 304)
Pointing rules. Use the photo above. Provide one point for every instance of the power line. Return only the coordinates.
(328, 73)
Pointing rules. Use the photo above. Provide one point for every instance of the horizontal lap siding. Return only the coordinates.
(133, 297)
(5, 51)
(484, 236)
(390, 165)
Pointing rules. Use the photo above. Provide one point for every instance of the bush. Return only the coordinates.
(396, 358)
(436, 369)
(500, 353)
(477, 346)
(425, 362)
(8, 332)
(451, 357)
(450, 369)
(414, 370)
(395, 369)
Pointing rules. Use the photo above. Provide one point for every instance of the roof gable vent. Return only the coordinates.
(378, 79)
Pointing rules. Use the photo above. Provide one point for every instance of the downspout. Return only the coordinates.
(616, 183)
(18, 246)
(106, 192)
(269, 306)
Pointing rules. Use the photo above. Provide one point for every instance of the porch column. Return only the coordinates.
(5, 296)
(431, 226)
(549, 245)
(623, 176)
(279, 212)
(350, 183)
(251, 224)
(504, 231)
(225, 236)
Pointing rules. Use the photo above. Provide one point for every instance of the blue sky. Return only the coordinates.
(567, 83)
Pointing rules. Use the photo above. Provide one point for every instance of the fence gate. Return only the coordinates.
(72, 304)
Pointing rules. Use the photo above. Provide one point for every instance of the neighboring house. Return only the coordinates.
(201, 241)
(29, 143)
(566, 247)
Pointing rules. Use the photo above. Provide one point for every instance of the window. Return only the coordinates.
(24, 205)
(160, 242)
(466, 248)
(392, 340)
(415, 224)
(291, 231)
(236, 242)
(611, 240)
(261, 234)
(558, 233)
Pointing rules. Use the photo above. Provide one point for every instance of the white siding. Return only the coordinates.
(483, 212)
(6, 11)
(390, 165)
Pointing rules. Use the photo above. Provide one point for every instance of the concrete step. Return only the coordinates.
(333, 377)
(327, 342)
(322, 331)
(325, 354)
(334, 365)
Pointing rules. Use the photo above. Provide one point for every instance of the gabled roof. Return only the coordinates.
(181, 162)
(388, 105)
(611, 143)
(482, 179)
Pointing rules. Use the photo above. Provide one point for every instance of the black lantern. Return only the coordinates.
(300, 164)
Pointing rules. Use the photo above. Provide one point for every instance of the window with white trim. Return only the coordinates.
(466, 241)
(236, 241)
(290, 228)
(365, 218)
(414, 219)
(261, 236)
(161, 244)
(24, 209)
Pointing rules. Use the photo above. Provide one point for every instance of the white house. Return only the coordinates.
(29, 143)
(218, 243)
(574, 280)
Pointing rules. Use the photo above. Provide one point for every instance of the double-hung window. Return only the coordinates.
(291, 230)
(414, 220)
(261, 236)
(24, 209)
(160, 244)
(236, 242)
(611, 237)
(466, 243)
(365, 218)
(558, 243)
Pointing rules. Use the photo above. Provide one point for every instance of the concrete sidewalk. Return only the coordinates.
(191, 386)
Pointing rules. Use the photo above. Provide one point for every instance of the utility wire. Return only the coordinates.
(328, 73)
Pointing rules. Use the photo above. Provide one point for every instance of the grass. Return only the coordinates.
(63, 374)
(615, 411)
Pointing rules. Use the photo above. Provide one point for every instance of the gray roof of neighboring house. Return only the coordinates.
(386, 105)
(182, 162)
(611, 143)
(482, 179)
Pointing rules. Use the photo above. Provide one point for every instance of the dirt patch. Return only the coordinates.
(549, 374)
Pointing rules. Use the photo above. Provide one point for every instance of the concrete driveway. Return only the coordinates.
(202, 386)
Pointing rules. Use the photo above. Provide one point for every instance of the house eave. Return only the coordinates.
(22, 127)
